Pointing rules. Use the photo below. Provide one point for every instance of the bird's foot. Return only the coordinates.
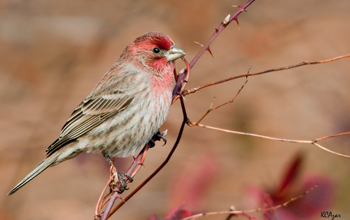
(121, 184)
(157, 137)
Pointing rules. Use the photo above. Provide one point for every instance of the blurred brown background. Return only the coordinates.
(54, 52)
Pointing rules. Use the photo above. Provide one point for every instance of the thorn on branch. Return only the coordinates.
(208, 49)
(242, 8)
(236, 19)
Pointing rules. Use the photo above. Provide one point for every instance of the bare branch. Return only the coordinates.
(235, 212)
(331, 136)
(242, 214)
(99, 204)
(219, 106)
(304, 63)
(313, 142)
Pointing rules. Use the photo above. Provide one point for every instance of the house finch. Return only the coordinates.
(124, 110)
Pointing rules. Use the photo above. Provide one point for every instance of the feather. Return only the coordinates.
(43, 165)
(85, 120)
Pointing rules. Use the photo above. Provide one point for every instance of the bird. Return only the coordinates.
(124, 110)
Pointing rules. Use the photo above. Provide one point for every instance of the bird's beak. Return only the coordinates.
(174, 53)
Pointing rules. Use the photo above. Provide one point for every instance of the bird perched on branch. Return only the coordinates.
(124, 110)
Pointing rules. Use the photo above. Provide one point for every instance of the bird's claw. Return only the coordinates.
(151, 143)
(164, 140)
(129, 177)
(157, 137)
(121, 185)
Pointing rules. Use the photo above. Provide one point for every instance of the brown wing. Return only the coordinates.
(88, 115)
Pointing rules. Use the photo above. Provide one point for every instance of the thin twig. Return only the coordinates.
(99, 204)
(219, 106)
(331, 136)
(304, 63)
(242, 214)
(313, 142)
(276, 139)
(252, 210)
(330, 151)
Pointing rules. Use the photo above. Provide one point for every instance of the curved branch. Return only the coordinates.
(219, 106)
(313, 142)
(236, 212)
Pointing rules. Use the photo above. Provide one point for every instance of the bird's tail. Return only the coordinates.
(43, 165)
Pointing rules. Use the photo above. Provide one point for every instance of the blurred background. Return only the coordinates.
(54, 52)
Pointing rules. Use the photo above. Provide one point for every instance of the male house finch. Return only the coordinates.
(124, 110)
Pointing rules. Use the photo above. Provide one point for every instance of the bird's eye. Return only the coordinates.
(156, 50)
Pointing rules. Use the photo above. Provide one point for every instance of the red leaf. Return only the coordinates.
(291, 173)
